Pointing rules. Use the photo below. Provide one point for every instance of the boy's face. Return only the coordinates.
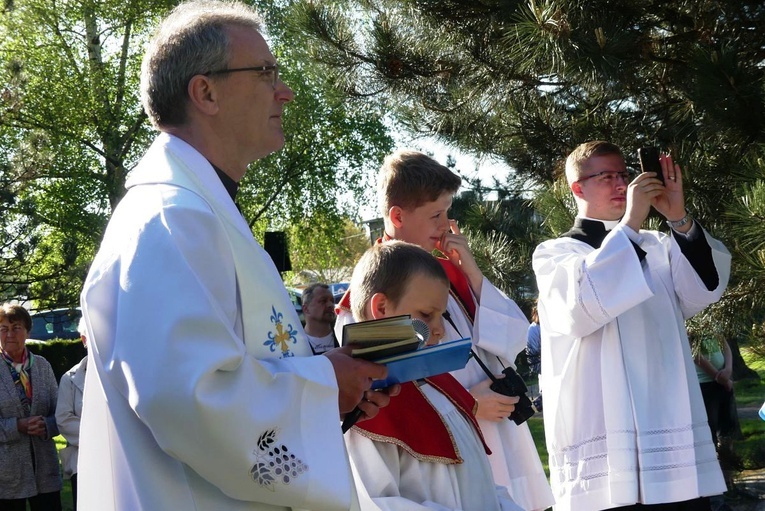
(423, 225)
(425, 299)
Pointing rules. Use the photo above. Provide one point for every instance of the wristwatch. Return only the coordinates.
(675, 224)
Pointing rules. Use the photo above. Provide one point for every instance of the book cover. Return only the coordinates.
(381, 337)
(424, 362)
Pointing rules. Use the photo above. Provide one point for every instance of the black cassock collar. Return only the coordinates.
(592, 232)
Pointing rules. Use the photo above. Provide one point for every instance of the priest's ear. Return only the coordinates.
(576, 189)
(377, 306)
(203, 95)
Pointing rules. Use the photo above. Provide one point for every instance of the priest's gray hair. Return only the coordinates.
(388, 268)
(192, 40)
(577, 161)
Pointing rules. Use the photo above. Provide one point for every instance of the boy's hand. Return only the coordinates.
(354, 377)
(373, 400)
(492, 406)
(455, 246)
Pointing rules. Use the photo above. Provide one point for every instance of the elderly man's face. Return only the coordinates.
(251, 106)
(321, 308)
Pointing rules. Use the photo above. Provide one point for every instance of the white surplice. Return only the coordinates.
(397, 481)
(201, 391)
(499, 331)
(624, 418)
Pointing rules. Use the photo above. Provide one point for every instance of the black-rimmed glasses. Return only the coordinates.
(273, 69)
(609, 176)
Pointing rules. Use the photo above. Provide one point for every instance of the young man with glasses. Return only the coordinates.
(201, 392)
(624, 419)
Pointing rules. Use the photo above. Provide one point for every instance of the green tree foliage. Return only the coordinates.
(71, 127)
(527, 81)
(323, 251)
(331, 147)
(502, 235)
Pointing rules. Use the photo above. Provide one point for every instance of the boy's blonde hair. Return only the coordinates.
(409, 179)
(577, 161)
(388, 268)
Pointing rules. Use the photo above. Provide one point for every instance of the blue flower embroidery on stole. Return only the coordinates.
(274, 463)
(282, 337)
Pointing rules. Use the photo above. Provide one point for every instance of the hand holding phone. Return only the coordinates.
(649, 162)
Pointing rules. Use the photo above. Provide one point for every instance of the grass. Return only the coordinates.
(537, 428)
(536, 425)
(66, 488)
(751, 393)
(751, 448)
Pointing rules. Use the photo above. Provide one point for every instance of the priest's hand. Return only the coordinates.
(354, 377)
(455, 246)
(492, 406)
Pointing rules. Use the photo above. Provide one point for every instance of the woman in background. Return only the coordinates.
(28, 392)
(714, 368)
(68, 413)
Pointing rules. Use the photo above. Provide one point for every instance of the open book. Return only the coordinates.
(384, 337)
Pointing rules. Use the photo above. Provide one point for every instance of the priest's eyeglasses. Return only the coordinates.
(609, 177)
(272, 69)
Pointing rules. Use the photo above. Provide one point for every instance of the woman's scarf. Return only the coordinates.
(21, 375)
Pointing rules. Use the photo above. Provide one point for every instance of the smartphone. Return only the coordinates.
(649, 161)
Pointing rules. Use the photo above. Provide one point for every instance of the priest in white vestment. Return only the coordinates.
(624, 420)
(201, 392)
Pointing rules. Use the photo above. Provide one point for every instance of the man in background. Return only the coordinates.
(319, 312)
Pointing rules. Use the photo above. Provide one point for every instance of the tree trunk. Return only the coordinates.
(740, 370)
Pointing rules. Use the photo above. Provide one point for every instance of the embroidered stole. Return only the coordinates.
(254, 272)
